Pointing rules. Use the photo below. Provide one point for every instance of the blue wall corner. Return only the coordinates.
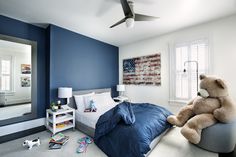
(81, 62)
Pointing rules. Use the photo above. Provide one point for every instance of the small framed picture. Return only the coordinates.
(25, 68)
(25, 81)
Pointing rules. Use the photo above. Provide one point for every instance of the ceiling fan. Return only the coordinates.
(130, 16)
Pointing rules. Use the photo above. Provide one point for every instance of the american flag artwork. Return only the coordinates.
(145, 70)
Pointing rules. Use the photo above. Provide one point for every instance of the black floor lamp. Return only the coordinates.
(196, 62)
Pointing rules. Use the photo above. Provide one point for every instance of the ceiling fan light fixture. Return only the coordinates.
(131, 16)
(129, 22)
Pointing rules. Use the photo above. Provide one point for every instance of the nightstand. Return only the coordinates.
(60, 120)
(121, 99)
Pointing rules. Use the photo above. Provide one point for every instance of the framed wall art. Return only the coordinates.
(25, 81)
(145, 70)
(25, 68)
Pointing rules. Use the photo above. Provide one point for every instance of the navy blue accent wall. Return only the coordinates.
(15, 28)
(80, 62)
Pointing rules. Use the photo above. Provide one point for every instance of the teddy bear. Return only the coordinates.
(212, 104)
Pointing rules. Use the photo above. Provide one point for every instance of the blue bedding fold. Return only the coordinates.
(128, 129)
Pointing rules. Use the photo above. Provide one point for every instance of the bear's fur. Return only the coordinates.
(203, 112)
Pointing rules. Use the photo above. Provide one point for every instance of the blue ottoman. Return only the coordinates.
(219, 138)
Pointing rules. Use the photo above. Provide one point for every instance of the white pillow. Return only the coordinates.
(79, 101)
(101, 100)
(107, 97)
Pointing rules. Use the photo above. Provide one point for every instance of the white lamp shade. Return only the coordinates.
(64, 92)
(120, 88)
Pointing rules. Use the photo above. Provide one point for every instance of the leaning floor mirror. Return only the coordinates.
(18, 94)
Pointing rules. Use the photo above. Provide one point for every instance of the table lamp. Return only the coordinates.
(65, 92)
(120, 88)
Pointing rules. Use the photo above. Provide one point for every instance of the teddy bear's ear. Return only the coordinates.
(220, 83)
(202, 76)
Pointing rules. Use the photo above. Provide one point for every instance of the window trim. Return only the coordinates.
(12, 85)
(172, 62)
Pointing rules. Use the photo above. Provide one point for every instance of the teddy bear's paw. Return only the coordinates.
(171, 119)
(222, 117)
(217, 113)
(174, 121)
(191, 135)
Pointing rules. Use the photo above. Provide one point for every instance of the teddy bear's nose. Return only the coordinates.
(198, 93)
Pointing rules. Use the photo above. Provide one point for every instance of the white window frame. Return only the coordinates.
(11, 58)
(172, 63)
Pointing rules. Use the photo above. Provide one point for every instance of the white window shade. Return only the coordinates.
(183, 86)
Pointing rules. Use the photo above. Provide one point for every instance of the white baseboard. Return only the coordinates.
(13, 128)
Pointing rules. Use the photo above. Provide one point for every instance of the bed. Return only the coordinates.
(86, 122)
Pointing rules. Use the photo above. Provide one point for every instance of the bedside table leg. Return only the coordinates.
(73, 120)
(54, 123)
(47, 117)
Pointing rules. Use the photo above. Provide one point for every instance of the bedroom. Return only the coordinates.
(76, 48)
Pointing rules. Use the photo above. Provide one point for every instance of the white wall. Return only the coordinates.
(222, 38)
(20, 94)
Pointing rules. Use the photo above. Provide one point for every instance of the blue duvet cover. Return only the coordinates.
(128, 129)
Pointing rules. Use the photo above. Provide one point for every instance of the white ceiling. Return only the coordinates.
(93, 17)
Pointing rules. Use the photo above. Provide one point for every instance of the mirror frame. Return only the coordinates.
(34, 101)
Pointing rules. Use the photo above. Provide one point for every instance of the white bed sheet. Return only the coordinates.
(90, 118)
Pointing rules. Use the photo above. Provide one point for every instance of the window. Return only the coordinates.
(188, 56)
(6, 74)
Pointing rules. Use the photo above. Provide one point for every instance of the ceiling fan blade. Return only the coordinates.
(126, 8)
(119, 22)
(140, 17)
